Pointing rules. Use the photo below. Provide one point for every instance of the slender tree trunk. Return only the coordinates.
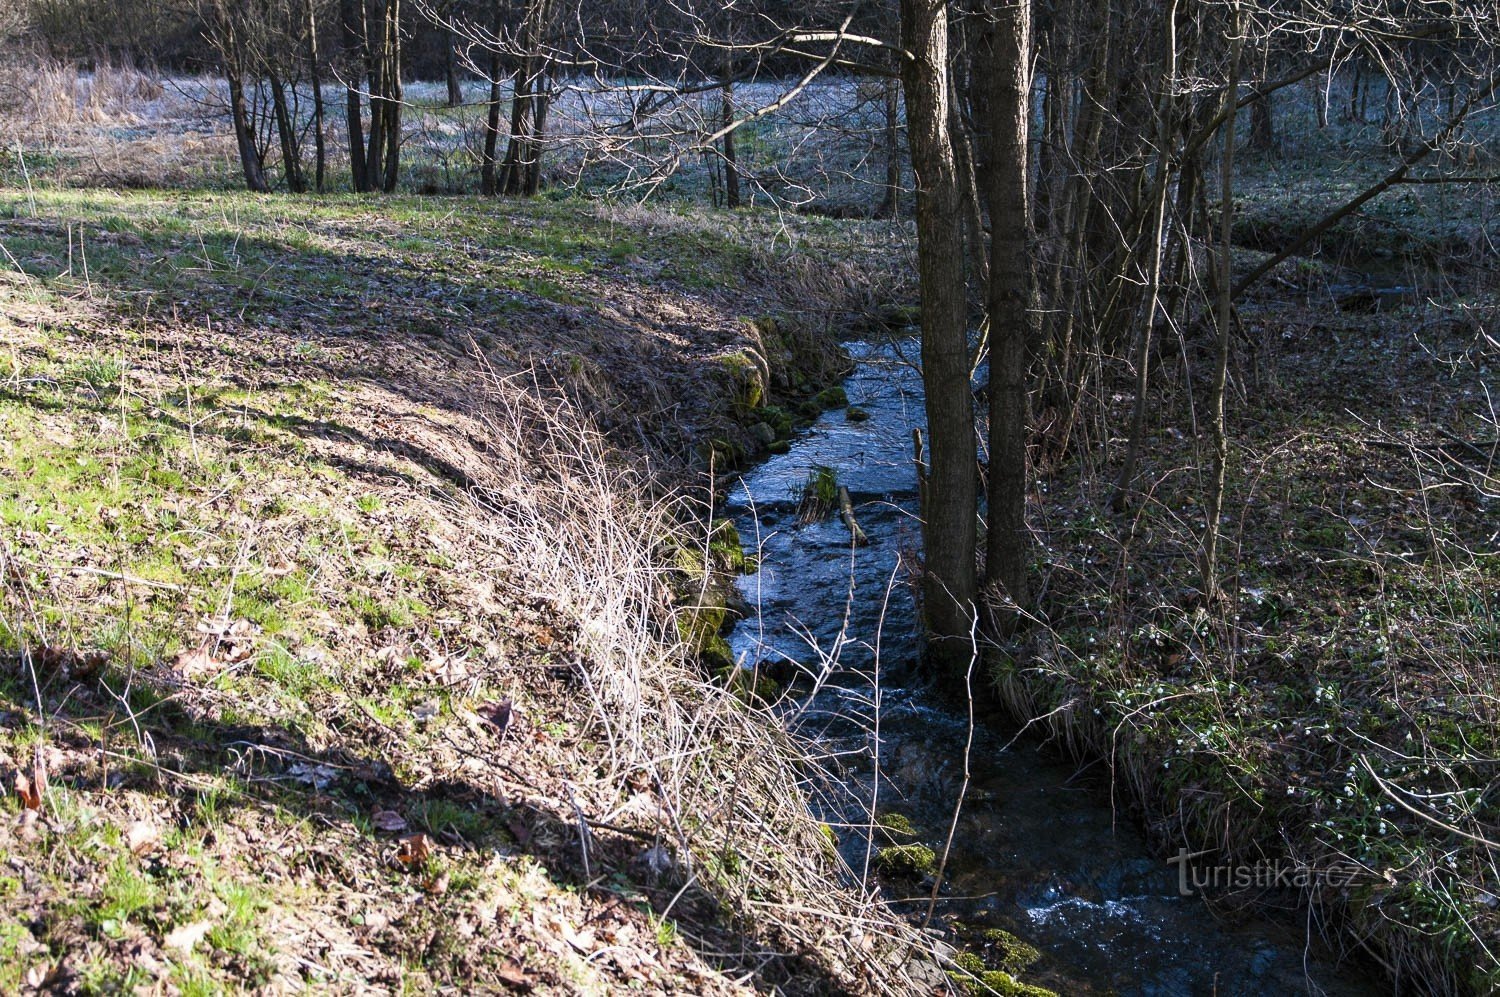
(541, 102)
(286, 131)
(948, 531)
(1157, 205)
(395, 95)
(492, 115)
(450, 66)
(890, 205)
(1002, 72)
(968, 181)
(1262, 125)
(352, 16)
(731, 165)
(320, 153)
(244, 134)
(520, 104)
(1224, 314)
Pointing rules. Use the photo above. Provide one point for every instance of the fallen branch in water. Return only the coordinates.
(846, 509)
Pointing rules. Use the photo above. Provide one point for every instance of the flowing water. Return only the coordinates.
(1040, 850)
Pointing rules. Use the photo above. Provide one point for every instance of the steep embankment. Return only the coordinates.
(335, 622)
(1328, 732)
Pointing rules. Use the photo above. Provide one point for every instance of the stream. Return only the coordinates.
(1041, 850)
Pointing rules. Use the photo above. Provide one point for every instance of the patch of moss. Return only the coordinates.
(1008, 951)
(725, 547)
(906, 860)
(834, 397)
(894, 824)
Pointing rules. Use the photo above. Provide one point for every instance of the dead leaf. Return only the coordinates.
(499, 714)
(520, 831)
(142, 836)
(197, 662)
(185, 937)
(388, 820)
(583, 940)
(513, 975)
(31, 797)
(414, 850)
(424, 712)
(437, 885)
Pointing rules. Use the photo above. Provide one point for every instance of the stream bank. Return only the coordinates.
(1041, 851)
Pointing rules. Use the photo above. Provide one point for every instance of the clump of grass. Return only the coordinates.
(819, 494)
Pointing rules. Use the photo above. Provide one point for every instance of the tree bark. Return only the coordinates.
(487, 180)
(352, 15)
(731, 164)
(244, 134)
(286, 132)
(948, 530)
(450, 67)
(320, 153)
(1002, 78)
(890, 204)
(1224, 313)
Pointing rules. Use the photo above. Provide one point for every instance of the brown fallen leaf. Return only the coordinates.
(142, 836)
(498, 714)
(413, 850)
(185, 937)
(437, 885)
(388, 820)
(31, 796)
(197, 662)
(514, 975)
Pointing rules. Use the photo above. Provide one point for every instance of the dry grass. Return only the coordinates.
(376, 536)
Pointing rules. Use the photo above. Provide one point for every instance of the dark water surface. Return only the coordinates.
(1041, 850)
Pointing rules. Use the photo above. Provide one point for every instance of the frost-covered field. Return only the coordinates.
(825, 146)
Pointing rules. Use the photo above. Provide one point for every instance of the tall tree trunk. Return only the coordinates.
(1156, 203)
(352, 16)
(520, 104)
(394, 94)
(890, 205)
(541, 104)
(244, 133)
(286, 132)
(731, 165)
(1224, 314)
(450, 67)
(1002, 78)
(487, 182)
(319, 152)
(1262, 125)
(948, 528)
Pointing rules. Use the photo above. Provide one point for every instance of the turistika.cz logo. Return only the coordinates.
(1194, 877)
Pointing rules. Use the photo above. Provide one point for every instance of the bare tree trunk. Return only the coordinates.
(391, 105)
(1002, 75)
(1208, 566)
(352, 14)
(319, 152)
(520, 103)
(731, 165)
(1262, 125)
(1157, 204)
(541, 102)
(948, 530)
(286, 131)
(244, 134)
(890, 205)
(450, 66)
(487, 183)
